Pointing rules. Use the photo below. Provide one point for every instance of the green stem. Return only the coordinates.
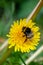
(21, 59)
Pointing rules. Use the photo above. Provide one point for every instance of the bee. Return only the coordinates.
(27, 32)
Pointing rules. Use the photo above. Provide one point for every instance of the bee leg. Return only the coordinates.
(25, 40)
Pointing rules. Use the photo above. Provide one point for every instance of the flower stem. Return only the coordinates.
(22, 59)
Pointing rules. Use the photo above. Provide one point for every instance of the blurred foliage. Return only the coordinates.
(36, 63)
(11, 10)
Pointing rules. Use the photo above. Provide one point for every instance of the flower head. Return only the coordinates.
(24, 36)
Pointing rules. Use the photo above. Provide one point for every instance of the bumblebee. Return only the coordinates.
(27, 32)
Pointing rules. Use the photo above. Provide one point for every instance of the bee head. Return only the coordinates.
(26, 30)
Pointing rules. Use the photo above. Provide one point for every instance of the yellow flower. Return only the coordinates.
(23, 36)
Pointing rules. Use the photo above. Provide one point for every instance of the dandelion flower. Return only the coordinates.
(23, 36)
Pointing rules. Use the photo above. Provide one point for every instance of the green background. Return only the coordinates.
(11, 10)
